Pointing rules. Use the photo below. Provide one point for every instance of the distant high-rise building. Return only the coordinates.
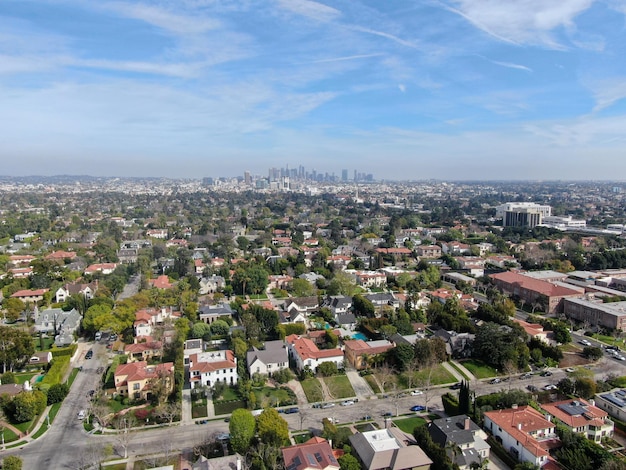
(522, 214)
(247, 178)
(344, 175)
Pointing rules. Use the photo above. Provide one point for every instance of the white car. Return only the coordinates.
(550, 387)
(416, 393)
(81, 414)
(585, 342)
(569, 369)
(347, 403)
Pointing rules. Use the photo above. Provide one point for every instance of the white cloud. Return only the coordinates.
(164, 19)
(385, 35)
(352, 57)
(313, 10)
(608, 92)
(521, 21)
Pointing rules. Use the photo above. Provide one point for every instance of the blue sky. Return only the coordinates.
(403, 89)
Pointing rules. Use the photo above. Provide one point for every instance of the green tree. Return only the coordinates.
(403, 354)
(57, 393)
(242, 426)
(219, 328)
(327, 369)
(585, 387)
(272, 428)
(12, 462)
(302, 288)
(26, 405)
(363, 306)
(13, 307)
(16, 345)
(349, 462)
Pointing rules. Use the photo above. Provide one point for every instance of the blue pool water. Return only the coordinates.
(359, 335)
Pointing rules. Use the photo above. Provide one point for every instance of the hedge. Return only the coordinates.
(56, 373)
(62, 352)
(450, 404)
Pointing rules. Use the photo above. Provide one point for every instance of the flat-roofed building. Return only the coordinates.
(596, 313)
(388, 449)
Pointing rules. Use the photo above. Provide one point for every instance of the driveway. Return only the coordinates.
(360, 385)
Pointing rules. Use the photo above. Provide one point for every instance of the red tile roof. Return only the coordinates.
(543, 287)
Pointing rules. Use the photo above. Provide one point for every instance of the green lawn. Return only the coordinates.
(9, 436)
(339, 386)
(21, 378)
(274, 396)
(371, 380)
(313, 390)
(455, 367)
(409, 424)
(440, 376)
(224, 408)
(230, 393)
(47, 344)
(72, 376)
(608, 339)
(479, 368)
(301, 438)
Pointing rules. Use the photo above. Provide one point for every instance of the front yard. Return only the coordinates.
(409, 424)
(339, 386)
(313, 390)
(479, 368)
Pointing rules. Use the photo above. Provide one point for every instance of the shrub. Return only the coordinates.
(56, 373)
(283, 376)
(57, 393)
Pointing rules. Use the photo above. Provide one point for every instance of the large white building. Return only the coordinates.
(304, 353)
(522, 214)
(208, 368)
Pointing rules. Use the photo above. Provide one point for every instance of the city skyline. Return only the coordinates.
(449, 89)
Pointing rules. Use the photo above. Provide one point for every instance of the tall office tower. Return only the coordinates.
(273, 174)
(301, 172)
(344, 175)
(355, 176)
(247, 178)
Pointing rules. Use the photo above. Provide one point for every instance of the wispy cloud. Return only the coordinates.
(510, 65)
(607, 92)
(385, 35)
(520, 21)
(313, 10)
(162, 18)
(352, 57)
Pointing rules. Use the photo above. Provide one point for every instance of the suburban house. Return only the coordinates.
(134, 379)
(147, 319)
(161, 282)
(346, 320)
(381, 299)
(388, 449)
(428, 251)
(582, 417)
(455, 248)
(314, 454)
(523, 432)
(303, 305)
(533, 291)
(462, 432)
(61, 256)
(370, 278)
(29, 295)
(209, 313)
(265, 361)
(208, 368)
(211, 284)
(86, 290)
(58, 323)
(103, 268)
(145, 348)
(533, 330)
(305, 353)
(457, 344)
(359, 353)
(338, 304)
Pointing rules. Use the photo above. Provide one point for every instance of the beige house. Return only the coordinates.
(134, 379)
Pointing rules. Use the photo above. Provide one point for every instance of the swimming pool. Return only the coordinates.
(359, 335)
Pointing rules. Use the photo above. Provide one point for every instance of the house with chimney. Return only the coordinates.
(134, 379)
(525, 433)
(209, 367)
(466, 435)
(75, 288)
(271, 358)
(581, 417)
(314, 454)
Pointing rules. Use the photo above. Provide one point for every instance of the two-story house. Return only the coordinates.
(271, 358)
(582, 417)
(305, 353)
(133, 379)
(467, 436)
(208, 368)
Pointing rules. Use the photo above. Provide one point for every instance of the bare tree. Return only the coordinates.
(426, 381)
(510, 369)
(411, 369)
(385, 375)
(101, 412)
(124, 425)
(303, 415)
(168, 411)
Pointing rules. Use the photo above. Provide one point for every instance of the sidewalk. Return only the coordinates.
(453, 371)
(467, 373)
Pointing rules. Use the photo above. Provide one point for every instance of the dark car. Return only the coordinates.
(89, 354)
(418, 408)
(546, 373)
(316, 405)
(202, 421)
(532, 388)
(456, 386)
(290, 411)
(366, 418)
(386, 414)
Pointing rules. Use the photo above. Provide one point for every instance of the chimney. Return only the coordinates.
(514, 406)
(387, 423)
(466, 424)
(592, 402)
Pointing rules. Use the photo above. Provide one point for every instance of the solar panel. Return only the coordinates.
(312, 460)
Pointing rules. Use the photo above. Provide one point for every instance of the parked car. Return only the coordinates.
(316, 405)
(347, 403)
(584, 342)
(89, 354)
(546, 373)
(550, 387)
(495, 381)
(525, 376)
(290, 411)
(456, 386)
(418, 408)
(417, 392)
(82, 414)
(569, 369)
(366, 418)
(386, 414)
(202, 421)
(328, 405)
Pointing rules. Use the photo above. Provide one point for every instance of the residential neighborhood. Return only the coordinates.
(316, 331)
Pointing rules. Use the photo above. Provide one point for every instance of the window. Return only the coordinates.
(135, 386)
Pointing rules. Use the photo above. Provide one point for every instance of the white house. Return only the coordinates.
(266, 361)
(208, 368)
(524, 432)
